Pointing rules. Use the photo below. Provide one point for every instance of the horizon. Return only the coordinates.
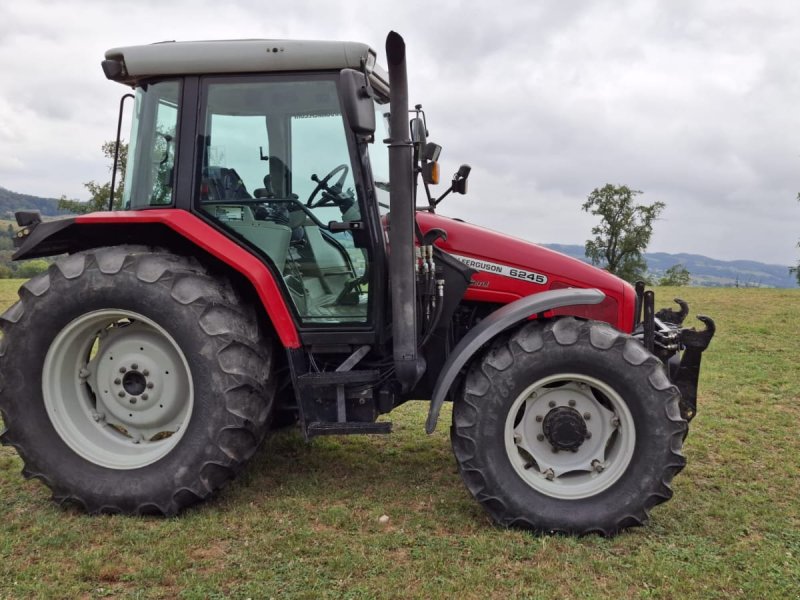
(646, 251)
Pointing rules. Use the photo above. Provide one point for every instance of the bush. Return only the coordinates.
(676, 275)
(31, 268)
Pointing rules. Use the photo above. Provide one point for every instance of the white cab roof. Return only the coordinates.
(240, 56)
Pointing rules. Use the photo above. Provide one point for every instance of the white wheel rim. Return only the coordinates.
(117, 388)
(601, 458)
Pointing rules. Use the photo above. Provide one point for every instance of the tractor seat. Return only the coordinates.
(223, 184)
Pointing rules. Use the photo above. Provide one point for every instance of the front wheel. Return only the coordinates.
(568, 426)
(133, 380)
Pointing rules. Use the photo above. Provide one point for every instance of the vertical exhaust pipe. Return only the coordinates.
(408, 365)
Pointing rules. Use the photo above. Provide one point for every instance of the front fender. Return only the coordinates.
(496, 323)
(161, 227)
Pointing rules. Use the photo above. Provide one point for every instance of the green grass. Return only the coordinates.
(302, 521)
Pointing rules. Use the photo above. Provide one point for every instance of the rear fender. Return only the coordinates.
(494, 324)
(161, 227)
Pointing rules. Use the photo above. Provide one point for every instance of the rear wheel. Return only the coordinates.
(133, 380)
(569, 426)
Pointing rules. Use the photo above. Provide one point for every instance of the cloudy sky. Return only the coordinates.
(694, 102)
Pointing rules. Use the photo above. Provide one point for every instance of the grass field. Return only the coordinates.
(303, 519)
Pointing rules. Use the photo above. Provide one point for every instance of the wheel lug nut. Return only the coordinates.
(587, 416)
(540, 437)
(134, 366)
(145, 396)
(121, 394)
(132, 400)
(117, 381)
(539, 418)
(149, 385)
(145, 372)
(549, 475)
(122, 369)
(555, 450)
(588, 435)
(552, 404)
(571, 403)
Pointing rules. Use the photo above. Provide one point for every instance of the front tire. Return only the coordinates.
(133, 381)
(568, 426)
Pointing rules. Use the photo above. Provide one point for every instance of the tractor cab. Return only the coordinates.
(272, 158)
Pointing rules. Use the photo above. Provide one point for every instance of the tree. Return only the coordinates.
(676, 275)
(624, 231)
(99, 193)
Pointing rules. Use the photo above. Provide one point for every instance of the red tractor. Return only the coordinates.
(270, 264)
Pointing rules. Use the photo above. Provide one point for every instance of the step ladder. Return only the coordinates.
(334, 384)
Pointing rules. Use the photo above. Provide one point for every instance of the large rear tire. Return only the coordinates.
(568, 426)
(133, 381)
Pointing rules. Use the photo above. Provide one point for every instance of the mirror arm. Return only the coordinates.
(442, 197)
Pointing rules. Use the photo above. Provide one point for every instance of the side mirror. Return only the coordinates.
(419, 135)
(459, 184)
(460, 179)
(357, 103)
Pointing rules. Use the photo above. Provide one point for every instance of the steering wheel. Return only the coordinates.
(333, 191)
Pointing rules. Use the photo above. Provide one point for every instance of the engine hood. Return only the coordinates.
(509, 268)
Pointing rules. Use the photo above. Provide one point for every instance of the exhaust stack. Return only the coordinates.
(409, 366)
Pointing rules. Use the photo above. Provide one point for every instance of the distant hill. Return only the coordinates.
(706, 271)
(11, 201)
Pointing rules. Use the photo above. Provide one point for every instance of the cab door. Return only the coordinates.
(277, 171)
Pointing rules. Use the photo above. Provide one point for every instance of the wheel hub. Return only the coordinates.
(130, 374)
(564, 428)
(134, 383)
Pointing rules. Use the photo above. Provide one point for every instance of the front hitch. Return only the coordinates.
(694, 343)
(662, 334)
(670, 316)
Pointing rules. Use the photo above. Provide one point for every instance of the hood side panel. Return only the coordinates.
(509, 268)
